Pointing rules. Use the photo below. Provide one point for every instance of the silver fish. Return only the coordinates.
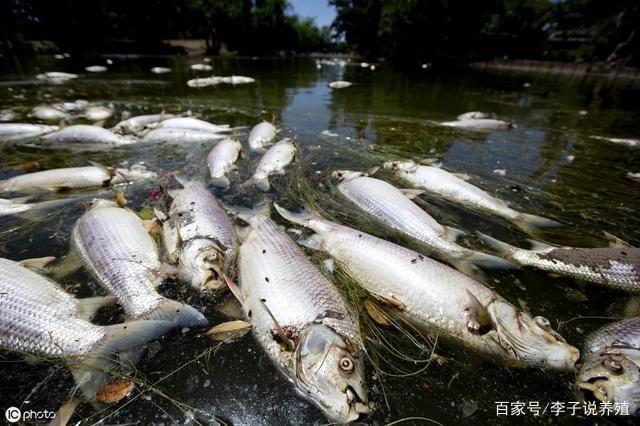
(160, 70)
(273, 162)
(57, 180)
(615, 267)
(97, 113)
(12, 132)
(481, 124)
(287, 298)
(194, 124)
(114, 246)
(95, 68)
(177, 135)
(47, 113)
(340, 84)
(611, 369)
(199, 237)
(437, 298)
(19, 206)
(390, 206)
(261, 135)
(201, 67)
(82, 134)
(474, 115)
(56, 77)
(39, 319)
(138, 123)
(221, 160)
(450, 187)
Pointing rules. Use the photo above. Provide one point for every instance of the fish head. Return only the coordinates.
(531, 340)
(100, 203)
(135, 173)
(345, 175)
(612, 375)
(399, 166)
(203, 263)
(330, 375)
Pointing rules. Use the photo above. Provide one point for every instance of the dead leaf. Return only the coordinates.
(115, 391)
(375, 313)
(120, 199)
(229, 330)
(64, 413)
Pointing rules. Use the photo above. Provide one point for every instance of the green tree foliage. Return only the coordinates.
(425, 30)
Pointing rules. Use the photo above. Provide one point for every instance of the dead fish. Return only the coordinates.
(56, 77)
(475, 115)
(96, 68)
(160, 70)
(620, 141)
(193, 124)
(85, 135)
(273, 162)
(47, 113)
(201, 67)
(97, 113)
(484, 124)
(14, 132)
(611, 369)
(261, 135)
(178, 135)
(614, 267)
(222, 159)
(340, 84)
(137, 124)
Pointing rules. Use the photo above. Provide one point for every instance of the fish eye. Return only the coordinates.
(346, 364)
(542, 322)
(613, 366)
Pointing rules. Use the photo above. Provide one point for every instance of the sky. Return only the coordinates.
(317, 9)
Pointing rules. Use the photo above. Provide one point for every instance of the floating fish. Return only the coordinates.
(177, 135)
(261, 135)
(84, 135)
(47, 113)
(614, 267)
(114, 246)
(160, 70)
(13, 132)
(201, 67)
(472, 115)
(340, 84)
(134, 125)
(438, 299)
(96, 68)
(56, 77)
(302, 322)
(611, 369)
(273, 162)
(221, 160)
(484, 124)
(97, 113)
(193, 124)
(450, 187)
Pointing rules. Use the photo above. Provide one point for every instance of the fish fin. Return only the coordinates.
(233, 288)
(263, 184)
(539, 245)
(530, 223)
(469, 269)
(37, 264)
(488, 261)
(121, 200)
(93, 370)
(497, 245)
(182, 180)
(454, 233)
(69, 264)
(313, 242)
(411, 193)
(40, 210)
(465, 177)
(390, 302)
(180, 314)
(89, 306)
(615, 241)
(109, 171)
(221, 182)
(433, 162)
(301, 218)
(21, 200)
(262, 208)
(373, 170)
(160, 215)
(477, 316)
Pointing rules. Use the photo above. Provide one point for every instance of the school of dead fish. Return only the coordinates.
(316, 341)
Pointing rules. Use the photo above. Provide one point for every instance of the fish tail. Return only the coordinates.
(221, 182)
(39, 211)
(500, 246)
(469, 269)
(94, 370)
(489, 261)
(530, 223)
(453, 233)
(180, 314)
(303, 218)
(88, 307)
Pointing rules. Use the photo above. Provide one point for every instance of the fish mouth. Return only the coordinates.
(212, 281)
(358, 407)
(591, 391)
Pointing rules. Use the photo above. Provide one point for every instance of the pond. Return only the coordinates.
(549, 165)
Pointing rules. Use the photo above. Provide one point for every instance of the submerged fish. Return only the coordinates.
(478, 124)
(114, 246)
(177, 135)
(450, 187)
(221, 160)
(58, 180)
(47, 113)
(199, 237)
(82, 134)
(12, 132)
(615, 267)
(193, 124)
(261, 135)
(18, 206)
(390, 206)
(273, 162)
(437, 298)
(302, 322)
(340, 84)
(137, 124)
(37, 319)
(611, 369)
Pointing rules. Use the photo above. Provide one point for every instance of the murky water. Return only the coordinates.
(552, 168)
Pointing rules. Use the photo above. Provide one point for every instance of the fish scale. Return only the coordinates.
(73, 177)
(274, 269)
(625, 332)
